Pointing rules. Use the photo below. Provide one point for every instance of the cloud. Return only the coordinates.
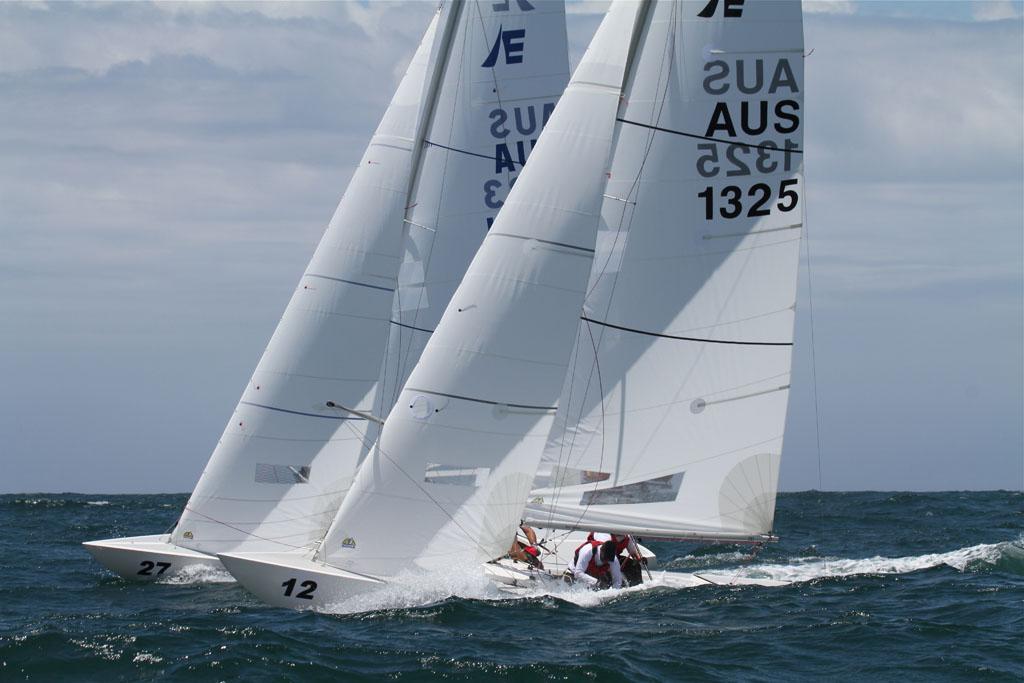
(911, 99)
(830, 7)
(996, 10)
(598, 7)
(168, 169)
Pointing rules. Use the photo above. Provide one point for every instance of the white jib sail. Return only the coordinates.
(507, 67)
(672, 415)
(448, 478)
(275, 479)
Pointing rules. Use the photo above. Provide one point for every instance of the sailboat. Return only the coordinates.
(671, 418)
(462, 122)
(664, 202)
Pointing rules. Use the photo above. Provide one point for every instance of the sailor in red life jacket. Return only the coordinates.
(524, 547)
(597, 565)
(632, 563)
(623, 543)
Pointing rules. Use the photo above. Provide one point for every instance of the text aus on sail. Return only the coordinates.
(758, 114)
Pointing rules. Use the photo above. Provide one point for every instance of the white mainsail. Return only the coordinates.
(286, 457)
(447, 480)
(671, 418)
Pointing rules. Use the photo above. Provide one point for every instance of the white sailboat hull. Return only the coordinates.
(294, 581)
(148, 558)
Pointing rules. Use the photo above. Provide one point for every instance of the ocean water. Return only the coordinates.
(885, 586)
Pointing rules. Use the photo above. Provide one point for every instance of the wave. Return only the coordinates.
(199, 573)
(1006, 556)
(410, 591)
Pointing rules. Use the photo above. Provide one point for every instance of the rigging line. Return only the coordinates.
(600, 462)
(814, 373)
(693, 339)
(494, 79)
(814, 360)
(243, 531)
(765, 148)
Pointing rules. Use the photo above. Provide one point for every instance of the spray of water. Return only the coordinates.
(417, 590)
(198, 573)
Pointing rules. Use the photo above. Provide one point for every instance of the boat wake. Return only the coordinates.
(418, 590)
(1006, 556)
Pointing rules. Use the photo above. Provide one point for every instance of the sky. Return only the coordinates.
(166, 171)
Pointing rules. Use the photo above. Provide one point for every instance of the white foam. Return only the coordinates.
(199, 573)
(97, 502)
(810, 569)
(416, 590)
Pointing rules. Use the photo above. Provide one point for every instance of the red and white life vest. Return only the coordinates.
(593, 568)
(621, 542)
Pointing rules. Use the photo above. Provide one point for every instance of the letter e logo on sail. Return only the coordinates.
(513, 42)
(731, 8)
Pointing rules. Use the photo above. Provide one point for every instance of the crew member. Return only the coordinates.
(633, 563)
(524, 547)
(596, 565)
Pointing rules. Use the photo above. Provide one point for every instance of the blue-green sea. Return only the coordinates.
(886, 586)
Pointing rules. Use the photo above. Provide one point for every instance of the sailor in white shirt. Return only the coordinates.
(597, 565)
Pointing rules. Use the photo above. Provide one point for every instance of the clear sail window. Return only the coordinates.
(456, 475)
(657, 490)
(282, 474)
(568, 476)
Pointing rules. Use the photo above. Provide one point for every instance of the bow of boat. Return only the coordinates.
(295, 581)
(148, 558)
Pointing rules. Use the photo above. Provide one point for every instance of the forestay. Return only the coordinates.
(672, 414)
(448, 478)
